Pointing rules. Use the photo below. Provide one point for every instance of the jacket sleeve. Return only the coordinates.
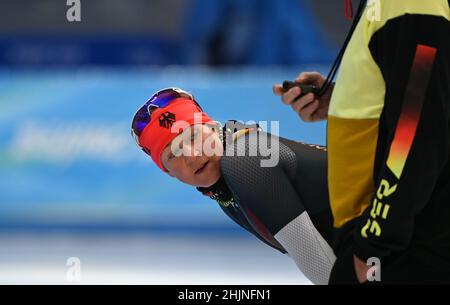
(412, 51)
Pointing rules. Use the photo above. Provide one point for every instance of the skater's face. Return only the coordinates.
(193, 157)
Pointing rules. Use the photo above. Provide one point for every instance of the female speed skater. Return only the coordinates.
(284, 204)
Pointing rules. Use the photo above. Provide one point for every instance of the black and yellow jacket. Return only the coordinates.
(388, 132)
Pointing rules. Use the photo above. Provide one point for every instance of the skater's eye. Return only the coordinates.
(171, 156)
(194, 136)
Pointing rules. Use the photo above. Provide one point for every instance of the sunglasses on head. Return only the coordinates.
(160, 99)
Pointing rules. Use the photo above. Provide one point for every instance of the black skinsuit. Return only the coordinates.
(285, 205)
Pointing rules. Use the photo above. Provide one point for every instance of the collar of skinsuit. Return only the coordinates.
(230, 132)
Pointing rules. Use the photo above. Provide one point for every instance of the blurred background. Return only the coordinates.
(72, 182)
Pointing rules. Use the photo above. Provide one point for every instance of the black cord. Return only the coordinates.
(338, 60)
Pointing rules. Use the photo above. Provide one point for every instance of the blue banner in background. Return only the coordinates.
(67, 158)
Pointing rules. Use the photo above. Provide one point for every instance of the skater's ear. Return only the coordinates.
(167, 171)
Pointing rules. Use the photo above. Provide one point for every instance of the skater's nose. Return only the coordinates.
(191, 155)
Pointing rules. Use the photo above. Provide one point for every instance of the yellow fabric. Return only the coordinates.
(351, 153)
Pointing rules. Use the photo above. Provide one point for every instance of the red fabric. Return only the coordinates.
(262, 229)
(348, 9)
(168, 122)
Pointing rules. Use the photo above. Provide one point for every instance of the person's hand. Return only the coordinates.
(361, 269)
(310, 108)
